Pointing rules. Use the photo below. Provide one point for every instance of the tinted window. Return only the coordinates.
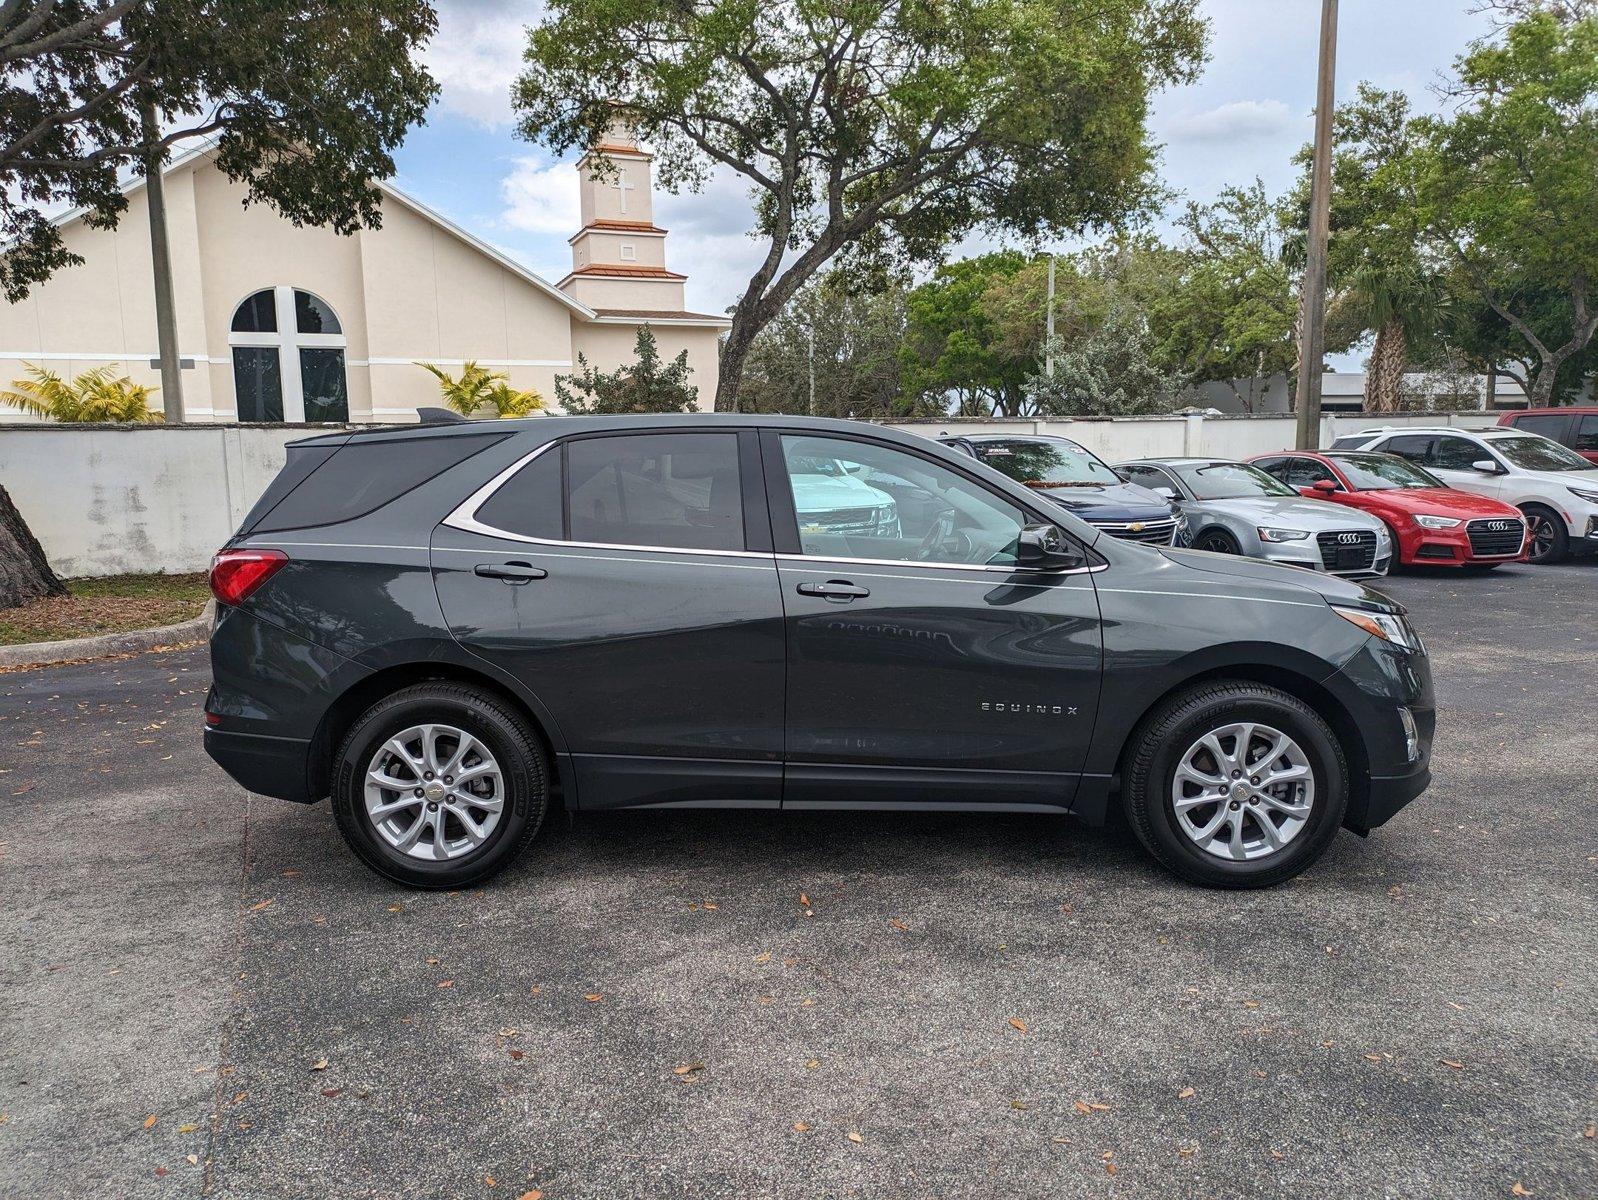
(322, 381)
(312, 315)
(1306, 472)
(1455, 454)
(258, 383)
(1415, 447)
(1351, 441)
(529, 502)
(1586, 434)
(361, 477)
(1276, 468)
(678, 490)
(1149, 477)
(1548, 424)
(861, 500)
(258, 314)
(1045, 462)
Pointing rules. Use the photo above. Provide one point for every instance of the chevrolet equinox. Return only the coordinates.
(450, 628)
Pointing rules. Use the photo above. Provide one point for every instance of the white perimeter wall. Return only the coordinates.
(108, 500)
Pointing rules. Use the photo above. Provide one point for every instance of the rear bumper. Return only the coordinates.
(269, 766)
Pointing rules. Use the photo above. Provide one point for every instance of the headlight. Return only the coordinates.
(1390, 627)
(1429, 521)
(1267, 534)
(1591, 497)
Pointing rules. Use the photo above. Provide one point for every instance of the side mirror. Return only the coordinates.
(1486, 466)
(1168, 492)
(1045, 548)
(1323, 485)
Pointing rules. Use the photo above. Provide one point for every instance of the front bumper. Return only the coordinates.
(1379, 803)
(1308, 556)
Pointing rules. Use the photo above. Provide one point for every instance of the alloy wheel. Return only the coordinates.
(1243, 791)
(1215, 543)
(434, 792)
(1540, 535)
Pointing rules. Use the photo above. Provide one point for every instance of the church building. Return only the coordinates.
(283, 323)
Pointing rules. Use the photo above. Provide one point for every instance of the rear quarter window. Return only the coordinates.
(361, 477)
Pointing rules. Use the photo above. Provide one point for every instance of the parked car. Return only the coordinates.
(1574, 426)
(1553, 486)
(1075, 479)
(1432, 524)
(830, 499)
(449, 629)
(1233, 508)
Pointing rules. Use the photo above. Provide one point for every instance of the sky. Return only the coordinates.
(1245, 117)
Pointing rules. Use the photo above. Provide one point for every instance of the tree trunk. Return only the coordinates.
(1385, 380)
(734, 354)
(166, 323)
(25, 573)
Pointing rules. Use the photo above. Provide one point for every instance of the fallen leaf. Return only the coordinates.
(1082, 1108)
(1187, 1151)
(257, 907)
(396, 908)
(535, 1194)
(1098, 1107)
(331, 1092)
(689, 1068)
(856, 1138)
(190, 1128)
(1251, 1004)
(709, 907)
(593, 997)
(443, 983)
(1454, 1063)
(1019, 1105)
(319, 1065)
(804, 900)
(192, 1159)
(1590, 1132)
(507, 1032)
(1185, 1094)
(899, 925)
(763, 957)
(291, 873)
(490, 1181)
(1375, 1058)
(812, 1064)
(1018, 1024)
(1278, 1155)
(149, 1121)
(517, 1055)
(800, 1127)
(1520, 1189)
(160, 1172)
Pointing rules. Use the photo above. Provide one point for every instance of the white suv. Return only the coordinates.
(1554, 486)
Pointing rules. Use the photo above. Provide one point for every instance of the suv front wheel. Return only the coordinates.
(1235, 784)
(439, 785)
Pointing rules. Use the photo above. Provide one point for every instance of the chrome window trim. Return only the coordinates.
(464, 517)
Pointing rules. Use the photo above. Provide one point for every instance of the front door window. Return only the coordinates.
(288, 358)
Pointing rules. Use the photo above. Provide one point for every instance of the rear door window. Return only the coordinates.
(532, 501)
(1550, 425)
(1415, 447)
(668, 490)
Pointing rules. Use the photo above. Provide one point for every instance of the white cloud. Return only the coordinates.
(476, 55)
(540, 197)
(1237, 121)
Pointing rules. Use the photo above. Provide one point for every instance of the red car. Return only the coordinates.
(1574, 426)
(1432, 524)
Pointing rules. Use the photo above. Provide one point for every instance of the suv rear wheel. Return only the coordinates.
(1235, 784)
(439, 785)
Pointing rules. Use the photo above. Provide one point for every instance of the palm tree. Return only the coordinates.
(477, 387)
(96, 395)
(1405, 306)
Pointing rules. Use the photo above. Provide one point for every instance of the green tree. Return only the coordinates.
(1507, 188)
(306, 98)
(954, 346)
(476, 388)
(843, 338)
(1114, 371)
(96, 395)
(643, 386)
(886, 128)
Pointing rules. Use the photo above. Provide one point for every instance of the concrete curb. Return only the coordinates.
(107, 645)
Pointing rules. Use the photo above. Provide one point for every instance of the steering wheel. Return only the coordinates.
(941, 533)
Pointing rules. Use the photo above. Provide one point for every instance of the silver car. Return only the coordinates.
(1233, 508)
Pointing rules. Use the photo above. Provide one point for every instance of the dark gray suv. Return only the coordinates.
(450, 628)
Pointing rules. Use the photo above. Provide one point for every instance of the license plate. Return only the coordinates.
(1351, 557)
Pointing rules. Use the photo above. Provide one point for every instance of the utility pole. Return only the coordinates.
(1048, 335)
(1312, 332)
(166, 327)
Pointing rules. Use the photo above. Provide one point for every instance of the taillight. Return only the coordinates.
(236, 574)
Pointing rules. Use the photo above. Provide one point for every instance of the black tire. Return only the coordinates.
(1542, 521)
(1217, 541)
(509, 738)
(1165, 735)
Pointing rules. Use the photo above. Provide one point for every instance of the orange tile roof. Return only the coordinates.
(626, 272)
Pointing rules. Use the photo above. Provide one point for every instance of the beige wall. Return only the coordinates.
(608, 346)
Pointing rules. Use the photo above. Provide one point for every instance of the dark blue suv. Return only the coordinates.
(1072, 477)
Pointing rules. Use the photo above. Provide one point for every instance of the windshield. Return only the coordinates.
(1046, 463)
(1231, 481)
(1533, 453)
(1382, 472)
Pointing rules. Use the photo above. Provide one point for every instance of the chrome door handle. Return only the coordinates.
(834, 589)
(510, 572)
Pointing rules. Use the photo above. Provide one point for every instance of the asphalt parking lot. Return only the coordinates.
(205, 994)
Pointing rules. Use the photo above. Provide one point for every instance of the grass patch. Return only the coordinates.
(114, 604)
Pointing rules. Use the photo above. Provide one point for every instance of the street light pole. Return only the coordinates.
(1312, 323)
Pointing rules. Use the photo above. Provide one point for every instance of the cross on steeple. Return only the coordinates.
(622, 186)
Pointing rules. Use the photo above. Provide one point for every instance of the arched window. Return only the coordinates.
(288, 358)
